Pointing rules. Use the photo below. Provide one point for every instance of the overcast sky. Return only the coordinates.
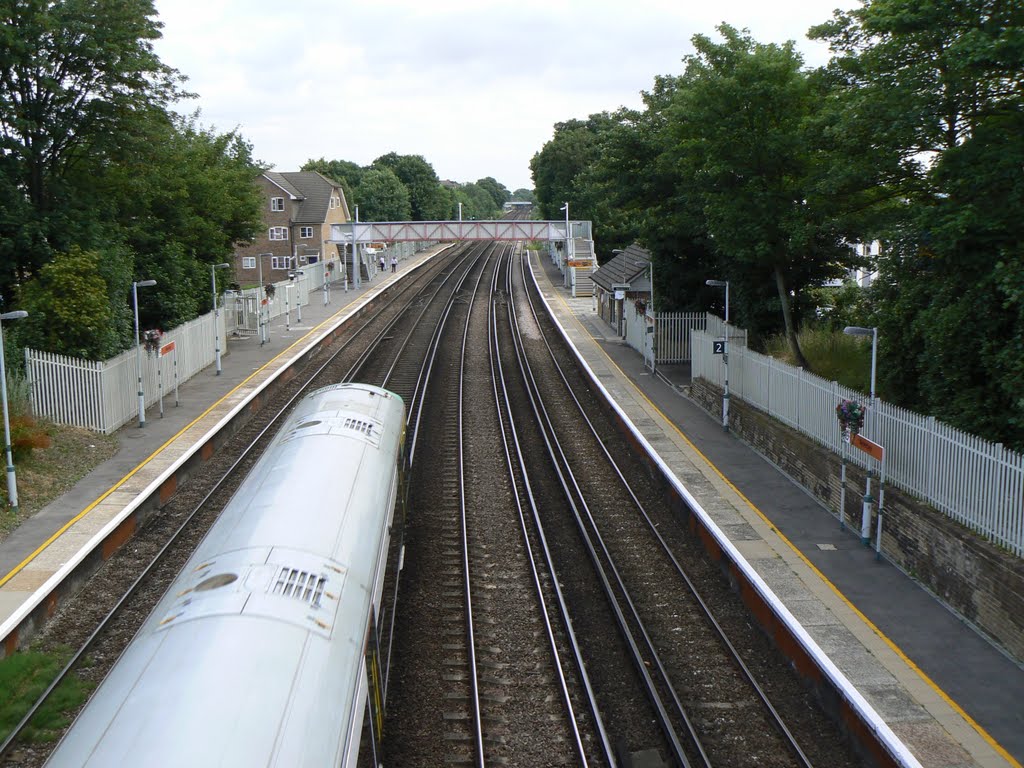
(473, 86)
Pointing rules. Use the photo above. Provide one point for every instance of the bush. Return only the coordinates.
(26, 436)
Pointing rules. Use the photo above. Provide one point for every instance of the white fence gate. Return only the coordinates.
(103, 395)
(670, 332)
(978, 483)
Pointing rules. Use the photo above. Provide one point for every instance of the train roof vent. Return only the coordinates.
(368, 428)
(298, 584)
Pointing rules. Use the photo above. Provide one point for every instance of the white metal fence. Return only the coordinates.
(978, 483)
(103, 395)
(670, 334)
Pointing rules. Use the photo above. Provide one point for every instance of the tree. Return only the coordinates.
(76, 305)
(427, 197)
(499, 192)
(935, 93)
(382, 197)
(345, 172)
(575, 145)
(744, 112)
(73, 74)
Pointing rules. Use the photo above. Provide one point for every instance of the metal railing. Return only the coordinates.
(978, 483)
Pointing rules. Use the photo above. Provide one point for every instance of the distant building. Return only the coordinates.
(298, 210)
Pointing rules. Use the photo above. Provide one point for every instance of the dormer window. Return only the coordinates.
(335, 202)
(277, 203)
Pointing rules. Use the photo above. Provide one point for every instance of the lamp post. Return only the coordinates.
(12, 482)
(288, 307)
(865, 518)
(216, 309)
(298, 304)
(568, 239)
(460, 212)
(138, 347)
(725, 351)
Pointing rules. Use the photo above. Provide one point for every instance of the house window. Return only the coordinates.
(335, 202)
(277, 203)
(279, 233)
(248, 262)
(305, 232)
(280, 262)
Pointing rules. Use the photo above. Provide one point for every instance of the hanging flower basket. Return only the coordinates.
(641, 306)
(851, 416)
(151, 340)
(269, 290)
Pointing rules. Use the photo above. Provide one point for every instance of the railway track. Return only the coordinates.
(501, 646)
(105, 616)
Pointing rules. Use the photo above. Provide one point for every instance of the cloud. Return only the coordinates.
(474, 87)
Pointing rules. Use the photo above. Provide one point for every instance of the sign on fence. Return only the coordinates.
(870, 448)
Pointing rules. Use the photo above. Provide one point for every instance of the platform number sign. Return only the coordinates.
(718, 346)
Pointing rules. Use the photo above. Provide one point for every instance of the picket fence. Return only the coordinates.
(102, 395)
(667, 334)
(978, 483)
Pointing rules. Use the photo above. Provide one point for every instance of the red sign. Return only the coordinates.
(869, 447)
(166, 349)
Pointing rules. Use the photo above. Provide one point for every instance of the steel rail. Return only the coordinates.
(774, 714)
(511, 442)
(613, 585)
(274, 422)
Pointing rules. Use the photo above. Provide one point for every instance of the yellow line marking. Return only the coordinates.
(60, 531)
(835, 590)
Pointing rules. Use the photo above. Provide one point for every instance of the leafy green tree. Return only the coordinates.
(427, 197)
(477, 203)
(744, 112)
(73, 75)
(934, 93)
(499, 192)
(345, 172)
(382, 196)
(76, 305)
(524, 195)
(555, 168)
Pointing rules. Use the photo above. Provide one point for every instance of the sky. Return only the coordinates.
(473, 86)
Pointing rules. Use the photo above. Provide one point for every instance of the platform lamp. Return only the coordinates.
(138, 346)
(725, 351)
(216, 310)
(865, 520)
(298, 304)
(12, 482)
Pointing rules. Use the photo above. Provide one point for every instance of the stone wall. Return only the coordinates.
(977, 579)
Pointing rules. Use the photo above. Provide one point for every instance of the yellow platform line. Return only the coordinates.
(60, 531)
(835, 590)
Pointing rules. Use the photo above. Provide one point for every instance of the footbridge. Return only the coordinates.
(498, 229)
(365, 232)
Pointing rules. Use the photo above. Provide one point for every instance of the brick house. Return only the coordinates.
(298, 210)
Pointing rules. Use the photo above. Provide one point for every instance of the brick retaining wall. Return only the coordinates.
(977, 579)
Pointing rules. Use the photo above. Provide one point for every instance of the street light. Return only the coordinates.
(216, 311)
(725, 351)
(138, 347)
(460, 213)
(298, 304)
(287, 306)
(568, 239)
(12, 482)
(865, 519)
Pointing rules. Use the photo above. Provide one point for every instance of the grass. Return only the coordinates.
(832, 355)
(23, 677)
(48, 473)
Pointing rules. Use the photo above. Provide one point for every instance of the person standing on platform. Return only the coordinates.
(381, 263)
(394, 263)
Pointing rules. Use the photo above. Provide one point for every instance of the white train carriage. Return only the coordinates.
(257, 655)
